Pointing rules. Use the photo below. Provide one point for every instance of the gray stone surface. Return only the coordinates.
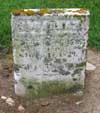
(49, 52)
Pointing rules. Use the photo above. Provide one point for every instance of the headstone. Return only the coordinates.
(49, 50)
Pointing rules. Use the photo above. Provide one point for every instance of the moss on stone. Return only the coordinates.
(36, 89)
(81, 64)
(80, 17)
(76, 87)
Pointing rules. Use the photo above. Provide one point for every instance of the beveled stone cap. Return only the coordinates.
(50, 11)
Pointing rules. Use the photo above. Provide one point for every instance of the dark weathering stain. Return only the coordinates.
(29, 86)
(48, 29)
(16, 67)
(55, 70)
(46, 60)
(37, 55)
(47, 43)
(57, 60)
(23, 43)
(36, 44)
(56, 25)
(74, 79)
(21, 55)
(27, 67)
(77, 71)
(63, 25)
(64, 60)
(62, 71)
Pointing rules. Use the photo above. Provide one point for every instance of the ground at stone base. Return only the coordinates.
(69, 103)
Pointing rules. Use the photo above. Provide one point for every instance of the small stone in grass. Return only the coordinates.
(78, 103)
(90, 67)
(10, 102)
(21, 108)
(3, 97)
(79, 93)
(46, 103)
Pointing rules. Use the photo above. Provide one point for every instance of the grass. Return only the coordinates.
(7, 5)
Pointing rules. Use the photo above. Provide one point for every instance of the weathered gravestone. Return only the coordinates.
(49, 50)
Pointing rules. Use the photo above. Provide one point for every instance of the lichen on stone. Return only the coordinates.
(43, 11)
(81, 10)
(29, 12)
(17, 11)
(23, 12)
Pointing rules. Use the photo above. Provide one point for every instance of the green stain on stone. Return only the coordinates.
(76, 87)
(81, 64)
(36, 89)
(78, 17)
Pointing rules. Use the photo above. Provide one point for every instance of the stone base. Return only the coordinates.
(36, 89)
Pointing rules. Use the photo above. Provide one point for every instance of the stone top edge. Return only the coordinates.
(50, 11)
